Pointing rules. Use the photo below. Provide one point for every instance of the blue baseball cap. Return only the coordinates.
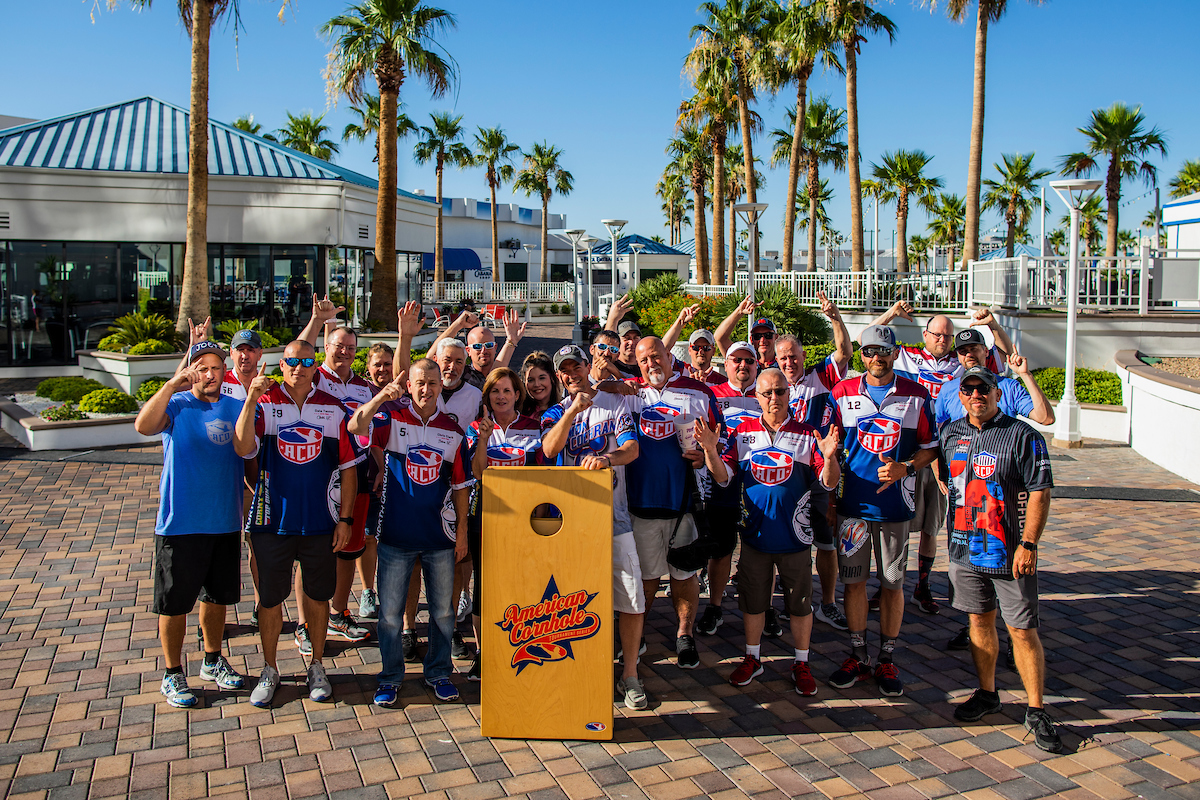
(203, 348)
(246, 337)
(763, 322)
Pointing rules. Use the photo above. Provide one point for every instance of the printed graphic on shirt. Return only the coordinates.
(299, 443)
(219, 431)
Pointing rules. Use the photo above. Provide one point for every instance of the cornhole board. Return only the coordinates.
(547, 638)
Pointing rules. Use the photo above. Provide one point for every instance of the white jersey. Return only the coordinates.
(461, 404)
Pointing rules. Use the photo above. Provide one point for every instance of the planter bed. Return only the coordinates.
(107, 430)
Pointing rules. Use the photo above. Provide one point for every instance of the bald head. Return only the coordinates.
(652, 359)
(939, 335)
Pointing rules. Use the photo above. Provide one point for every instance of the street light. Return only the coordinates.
(575, 235)
(529, 248)
(635, 277)
(750, 212)
(1073, 193)
(614, 227)
(589, 241)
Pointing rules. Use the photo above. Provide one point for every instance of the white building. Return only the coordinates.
(467, 232)
(1182, 221)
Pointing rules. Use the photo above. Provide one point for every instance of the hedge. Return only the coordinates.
(108, 401)
(67, 390)
(1091, 385)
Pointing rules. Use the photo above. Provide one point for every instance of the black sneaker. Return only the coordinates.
(685, 653)
(873, 602)
(473, 672)
(1010, 658)
(303, 643)
(1038, 722)
(978, 706)
(961, 640)
(709, 621)
(254, 617)
(888, 679)
(458, 648)
(851, 672)
(408, 641)
(771, 627)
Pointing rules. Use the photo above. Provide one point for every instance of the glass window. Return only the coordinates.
(91, 277)
(515, 272)
(294, 276)
(150, 267)
(36, 299)
(248, 277)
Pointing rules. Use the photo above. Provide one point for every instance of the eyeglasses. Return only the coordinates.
(299, 362)
(700, 348)
(774, 393)
(342, 348)
(875, 352)
(480, 346)
(608, 348)
(939, 335)
(763, 335)
(980, 389)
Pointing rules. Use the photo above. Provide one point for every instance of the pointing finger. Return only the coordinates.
(262, 368)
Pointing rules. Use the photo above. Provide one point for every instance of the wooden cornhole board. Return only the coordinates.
(547, 639)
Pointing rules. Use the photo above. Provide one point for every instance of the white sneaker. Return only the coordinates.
(464, 606)
(264, 692)
(635, 694)
(319, 688)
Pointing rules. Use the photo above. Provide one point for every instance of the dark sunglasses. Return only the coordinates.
(763, 335)
(700, 348)
(478, 346)
(299, 362)
(739, 360)
(875, 352)
(775, 393)
(980, 389)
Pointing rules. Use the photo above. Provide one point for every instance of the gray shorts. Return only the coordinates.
(977, 593)
(930, 516)
(756, 580)
(858, 538)
(653, 540)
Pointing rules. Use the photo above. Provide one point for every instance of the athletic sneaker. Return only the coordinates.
(458, 647)
(443, 689)
(771, 627)
(802, 677)
(264, 692)
(888, 678)
(748, 670)
(1038, 722)
(386, 695)
(473, 672)
(345, 626)
(923, 599)
(873, 601)
(175, 689)
(831, 615)
(464, 607)
(702, 581)
(222, 674)
(408, 641)
(368, 604)
(685, 653)
(303, 643)
(254, 617)
(635, 694)
(641, 651)
(978, 706)
(200, 638)
(710, 620)
(319, 688)
(961, 640)
(1010, 658)
(851, 671)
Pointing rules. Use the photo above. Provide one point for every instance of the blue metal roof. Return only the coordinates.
(624, 249)
(149, 135)
(1018, 250)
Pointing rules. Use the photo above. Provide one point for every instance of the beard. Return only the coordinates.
(656, 376)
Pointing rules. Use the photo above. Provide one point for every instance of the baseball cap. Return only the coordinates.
(627, 326)
(763, 322)
(983, 373)
(968, 337)
(878, 336)
(701, 334)
(249, 337)
(202, 348)
(569, 352)
(742, 347)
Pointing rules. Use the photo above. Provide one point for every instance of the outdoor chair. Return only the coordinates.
(493, 315)
(440, 320)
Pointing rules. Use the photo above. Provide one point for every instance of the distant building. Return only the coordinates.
(1181, 218)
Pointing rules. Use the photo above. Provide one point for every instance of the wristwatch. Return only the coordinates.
(347, 520)
(909, 469)
(1029, 545)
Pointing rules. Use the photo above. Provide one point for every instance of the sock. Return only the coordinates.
(886, 649)
(211, 658)
(175, 670)
(858, 645)
(802, 656)
(924, 566)
(409, 630)
(753, 649)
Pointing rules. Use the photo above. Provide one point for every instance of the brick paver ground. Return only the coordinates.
(80, 712)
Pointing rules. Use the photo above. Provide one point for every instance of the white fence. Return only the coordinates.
(858, 291)
(509, 292)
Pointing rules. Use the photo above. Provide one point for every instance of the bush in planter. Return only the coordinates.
(151, 347)
(110, 344)
(149, 387)
(225, 331)
(67, 390)
(554, 308)
(135, 328)
(63, 413)
(1091, 385)
(108, 401)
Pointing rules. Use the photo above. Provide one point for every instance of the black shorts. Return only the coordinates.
(722, 526)
(276, 553)
(191, 566)
(474, 545)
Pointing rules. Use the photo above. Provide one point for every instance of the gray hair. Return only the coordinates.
(788, 338)
(449, 342)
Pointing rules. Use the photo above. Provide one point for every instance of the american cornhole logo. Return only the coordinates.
(545, 631)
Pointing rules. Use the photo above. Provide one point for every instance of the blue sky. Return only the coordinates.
(602, 81)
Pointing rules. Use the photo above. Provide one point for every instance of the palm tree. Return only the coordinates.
(1117, 132)
(1187, 180)
(801, 37)
(442, 144)
(1091, 217)
(901, 177)
(1057, 240)
(918, 250)
(949, 213)
(1012, 195)
(543, 175)
(823, 145)
(303, 132)
(690, 150)
(387, 39)
(811, 214)
(246, 123)
(1127, 242)
(493, 152)
(849, 20)
(673, 191)
(368, 123)
(737, 31)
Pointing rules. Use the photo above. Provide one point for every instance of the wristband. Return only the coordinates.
(909, 469)
(347, 520)
(1029, 545)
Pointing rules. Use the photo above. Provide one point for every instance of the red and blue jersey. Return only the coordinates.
(353, 393)
(923, 367)
(809, 397)
(899, 427)
(301, 452)
(737, 406)
(663, 418)
(232, 387)
(426, 462)
(779, 475)
(518, 445)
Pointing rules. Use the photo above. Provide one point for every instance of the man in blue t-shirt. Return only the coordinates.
(972, 351)
(197, 546)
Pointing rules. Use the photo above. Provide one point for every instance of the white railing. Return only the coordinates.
(506, 292)
(148, 280)
(858, 291)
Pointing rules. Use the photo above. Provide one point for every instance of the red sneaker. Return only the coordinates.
(924, 600)
(802, 675)
(851, 672)
(748, 670)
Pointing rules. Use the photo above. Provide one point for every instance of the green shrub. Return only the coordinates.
(541, 309)
(136, 328)
(780, 306)
(110, 344)
(1091, 385)
(659, 316)
(373, 326)
(282, 335)
(62, 413)
(649, 293)
(554, 308)
(149, 387)
(151, 347)
(565, 308)
(67, 390)
(108, 401)
(225, 330)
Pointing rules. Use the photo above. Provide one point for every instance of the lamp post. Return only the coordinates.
(575, 234)
(614, 227)
(590, 241)
(750, 212)
(529, 248)
(635, 277)
(1073, 193)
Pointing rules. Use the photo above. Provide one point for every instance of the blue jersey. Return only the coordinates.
(657, 479)
(898, 428)
(780, 475)
(201, 486)
(518, 445)
(1014, 401)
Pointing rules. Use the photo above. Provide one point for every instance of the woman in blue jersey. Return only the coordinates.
(541, 385)
(503, 437)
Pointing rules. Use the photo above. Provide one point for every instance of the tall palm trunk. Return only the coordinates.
(1112, 193)
(495, 229)
(383, 279)
(439, 263)
(193, 298)
(731, 272)
(1010, 217)
(546, 255)
(902, 231)
(975, 160)
(747, 160)
(702, 275)
(789, 209)
(813, 179)
(857, 258)
(718, 241)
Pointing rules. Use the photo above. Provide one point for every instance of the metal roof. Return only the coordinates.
(1018, 250)
(150, 136)
(624, 249)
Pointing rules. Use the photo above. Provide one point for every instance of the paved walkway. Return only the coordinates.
(80, 712)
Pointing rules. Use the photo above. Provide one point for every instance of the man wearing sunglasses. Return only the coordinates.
(605, 350)
(762, 333)
(998, 471)
(300, 435)
(887, 421)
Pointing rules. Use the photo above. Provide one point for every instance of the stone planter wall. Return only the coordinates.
(39, 434)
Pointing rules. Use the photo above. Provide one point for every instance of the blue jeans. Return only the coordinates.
(395, 570)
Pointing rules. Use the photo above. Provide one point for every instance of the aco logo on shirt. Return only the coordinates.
(771, 467)
(984, 464)
(299, 443)
(658, 421)
(424, 463)
(879, 434)
(932, 381)
(220, 431)
(505, 455)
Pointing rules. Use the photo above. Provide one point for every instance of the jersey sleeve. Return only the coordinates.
(472, 437)
(381, 430)
(995, 362)
(729, 454)
(551, 417)
(926, 429)
(349, 453)
(941, 408)
(1033, 460)
(818, 464)
(461, 476)
(829, 373)
(174, 406)
(1015, 400)
(260, 424)
(624, 430)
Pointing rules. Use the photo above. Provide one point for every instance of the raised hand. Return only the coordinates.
(828, 444)
(467, 320)
(902, 309)
(486, 426)
(580, 403)
(395, 389)
(186, 378)
(982, 316)
(411, 318)
(747, 306)
(704, 436)
(688, 313)
(891, 471)
(623, 305)
(198, 333)
(828, 307)
(1019, 364)
(325, 310)
(514, 330)
(259, 386)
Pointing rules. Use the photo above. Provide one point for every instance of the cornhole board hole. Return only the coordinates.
(547, 620)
